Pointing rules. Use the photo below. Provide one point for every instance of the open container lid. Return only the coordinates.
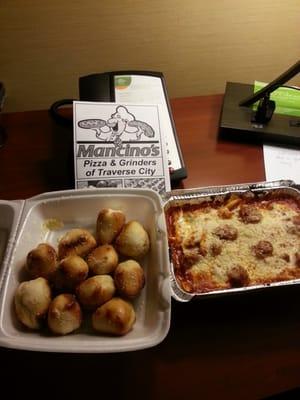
(26, 224)
(10, 212)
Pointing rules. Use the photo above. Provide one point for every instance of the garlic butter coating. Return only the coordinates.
(103, 260)
(31, 301)
(115, 317)
(76, 242)
(109, 224)
(95, 291)
(70, 272)
(64, 315)
(129, 278)
(42, 261)
(93, 276)
(133, 241)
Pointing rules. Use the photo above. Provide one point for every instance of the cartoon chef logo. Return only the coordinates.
(120, 122)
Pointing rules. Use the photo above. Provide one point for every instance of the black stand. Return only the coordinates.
(239, 122)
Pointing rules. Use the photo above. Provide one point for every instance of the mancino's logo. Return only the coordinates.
(121, 122)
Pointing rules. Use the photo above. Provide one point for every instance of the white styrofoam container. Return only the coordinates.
(22, 227)
(10, 212)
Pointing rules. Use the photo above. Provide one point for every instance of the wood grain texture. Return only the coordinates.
(46, 46)
(231, 348)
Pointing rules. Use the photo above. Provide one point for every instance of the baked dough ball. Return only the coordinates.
(133, 241)
(64, 315)
(117, 317)
(31, 301)
(109, 224)
(70, 272)
(95, 291)
(42, 261)
(76, 241)
(103, 260)
(129, 278)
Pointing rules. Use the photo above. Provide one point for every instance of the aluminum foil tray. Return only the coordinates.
(190, 196)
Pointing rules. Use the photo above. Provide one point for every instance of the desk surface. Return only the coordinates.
(245, 347)
(38, 153)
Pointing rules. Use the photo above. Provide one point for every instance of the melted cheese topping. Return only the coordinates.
(206, 260)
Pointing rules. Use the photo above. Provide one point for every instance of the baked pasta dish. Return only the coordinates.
(234, 240)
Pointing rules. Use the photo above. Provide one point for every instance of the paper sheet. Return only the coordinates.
(119, 145)
(149, 90)
(281, 163)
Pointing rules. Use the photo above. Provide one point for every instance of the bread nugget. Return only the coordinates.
(42, 261)
(95, 291)
(76, 242)
(103, 260)
(129, 278)
(116, 317)
(109, 224)
(133, 241)
(31, 301)
(70, 272)
(64, 314)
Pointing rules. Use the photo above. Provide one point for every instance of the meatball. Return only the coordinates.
(42, 261)
(226, 232)
(64, 315)
(116, 317)
(76, 242)
(189, 258)
(31, 301)
(238, 276)
(294, 229)
(216, 249)
(129, 278)
(263, 249)
(250, 214)
(103, 260)
(296, 220)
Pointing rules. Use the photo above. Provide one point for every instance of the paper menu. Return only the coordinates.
(119, 145)
(281, 163)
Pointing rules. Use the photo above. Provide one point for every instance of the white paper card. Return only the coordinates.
(119, 145)
(281, 163)
(143, 89)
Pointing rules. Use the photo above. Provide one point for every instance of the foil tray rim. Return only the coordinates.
(191, 194)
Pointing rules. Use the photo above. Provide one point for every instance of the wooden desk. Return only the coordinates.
(240, 347)
(38, 153)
